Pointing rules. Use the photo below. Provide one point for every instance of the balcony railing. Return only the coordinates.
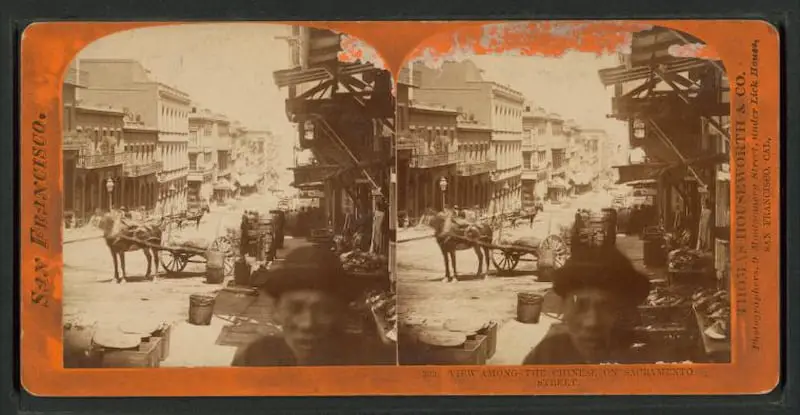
(98, 161)
(76, 141)
(425, 161)
(410, 143)
(143, 169)
(474, 168)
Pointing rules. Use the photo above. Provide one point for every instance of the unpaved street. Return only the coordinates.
(423, 297)
(92, 297)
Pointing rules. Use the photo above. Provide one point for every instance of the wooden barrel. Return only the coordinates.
(529, 307)
(241, 273)
(215, 267)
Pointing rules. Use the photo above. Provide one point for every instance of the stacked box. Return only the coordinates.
(472, 352)
(148, 354)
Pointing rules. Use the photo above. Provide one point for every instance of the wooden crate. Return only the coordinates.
(147, 355)
(164, 334)
(491, 338)
(471, 353)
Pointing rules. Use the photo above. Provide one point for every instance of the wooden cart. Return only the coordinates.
(175, 258)
(553, 249)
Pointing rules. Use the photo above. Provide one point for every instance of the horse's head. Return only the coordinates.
(107, 222)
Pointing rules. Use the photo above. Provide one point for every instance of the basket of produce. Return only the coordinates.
(688, 260)
(356, 262)
(713, 310)
(383, 309)
(665, 306)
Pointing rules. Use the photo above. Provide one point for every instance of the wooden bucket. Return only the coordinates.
(201, 309)
(529, 307)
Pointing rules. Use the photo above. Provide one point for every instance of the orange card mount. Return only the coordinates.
(717, 80)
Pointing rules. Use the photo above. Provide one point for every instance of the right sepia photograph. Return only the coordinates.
(570, 209)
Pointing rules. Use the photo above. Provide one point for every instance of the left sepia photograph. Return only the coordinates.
(226, 200)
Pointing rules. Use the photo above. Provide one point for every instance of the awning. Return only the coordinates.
(558, 183)
(247, 180)
(224, 185)
(581, 179)
(309, 185)
(635, 172)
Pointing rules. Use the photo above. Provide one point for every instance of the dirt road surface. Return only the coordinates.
(91, 297)
(423, 299)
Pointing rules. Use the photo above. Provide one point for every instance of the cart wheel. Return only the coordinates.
(173, 262)
(505, 261)
(558, 247)
(222, 244)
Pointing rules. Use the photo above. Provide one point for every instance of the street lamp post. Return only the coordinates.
(110, 189)
(443, 187)
(506, 188)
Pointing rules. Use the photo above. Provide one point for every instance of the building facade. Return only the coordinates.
(223, 187)
(535, 156)
(94, 152)
(204, 138)
(127, 84)
(142, 165)
(460, 85)
(473, 184)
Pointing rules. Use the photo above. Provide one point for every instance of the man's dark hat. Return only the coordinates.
(308, 268)
(605, 268)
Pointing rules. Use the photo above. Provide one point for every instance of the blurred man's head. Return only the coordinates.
(599, 287)
(310, 304)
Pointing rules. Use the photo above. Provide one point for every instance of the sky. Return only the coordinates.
(226, 68)
(569, 86)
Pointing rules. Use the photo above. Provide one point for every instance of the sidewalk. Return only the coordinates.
(81, 234)
(414, 233)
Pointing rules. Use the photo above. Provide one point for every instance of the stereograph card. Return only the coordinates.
(400, 208)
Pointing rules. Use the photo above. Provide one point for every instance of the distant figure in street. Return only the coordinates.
(600, 291)
(705, 234)
(244, 238)
(311, 301)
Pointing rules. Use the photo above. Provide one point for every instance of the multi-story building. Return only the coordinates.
(535, 152)
(460, 85)
(94, 151)
(594, 141)
(223, 187)
(558, 184)
(142, 165)
(203, 141)
(127, 84)
(473, 184)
